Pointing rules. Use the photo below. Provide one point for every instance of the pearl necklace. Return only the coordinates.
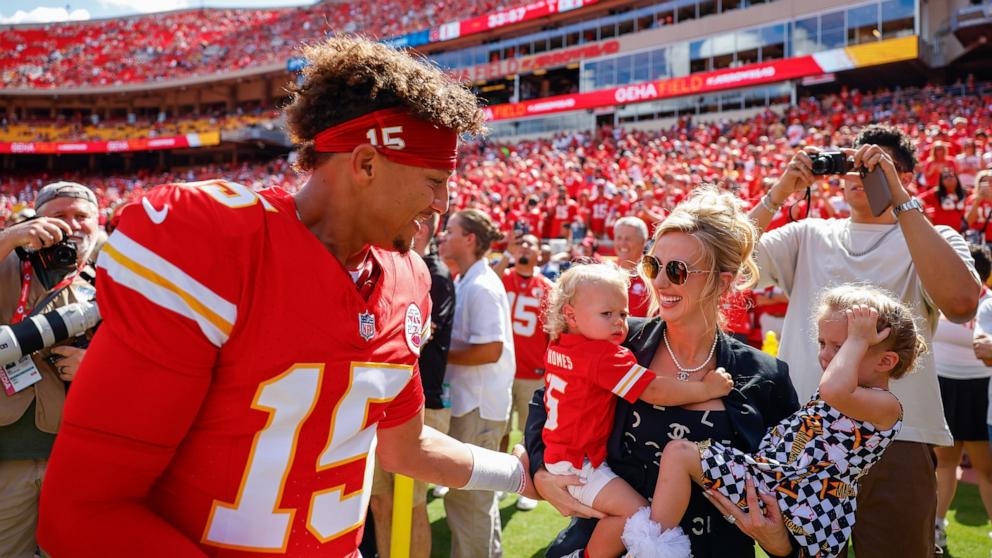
(683, 374)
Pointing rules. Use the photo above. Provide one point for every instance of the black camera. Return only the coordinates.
(60, 254)
(831, 162)
(52, 264)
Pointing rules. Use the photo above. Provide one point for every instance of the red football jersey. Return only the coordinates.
(236, 384)
(528, 298)
(600, 210)
(582, 380)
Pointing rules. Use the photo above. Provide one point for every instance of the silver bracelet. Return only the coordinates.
(768, 204)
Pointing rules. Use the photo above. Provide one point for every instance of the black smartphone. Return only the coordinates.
(877, 190)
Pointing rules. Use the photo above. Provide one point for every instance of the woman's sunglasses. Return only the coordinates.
(678, 272)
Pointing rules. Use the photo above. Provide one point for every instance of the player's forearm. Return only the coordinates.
(436, 458)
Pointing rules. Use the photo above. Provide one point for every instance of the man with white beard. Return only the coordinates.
(31, 409)
(630, 235)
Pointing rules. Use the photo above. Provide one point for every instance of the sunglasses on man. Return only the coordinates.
(677, 271)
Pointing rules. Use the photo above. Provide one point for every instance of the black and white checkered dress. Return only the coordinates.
(812, 462)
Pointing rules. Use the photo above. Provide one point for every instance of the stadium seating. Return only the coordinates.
(627, 164)
(197, 42)
(78, 130)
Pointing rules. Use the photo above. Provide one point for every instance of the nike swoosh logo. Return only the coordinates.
(156, 215)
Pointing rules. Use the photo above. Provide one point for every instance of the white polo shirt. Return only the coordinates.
(482, 315)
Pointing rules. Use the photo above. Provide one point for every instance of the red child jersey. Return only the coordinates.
(236, 384)
(582, 381)
(528, 298)
(638, 297)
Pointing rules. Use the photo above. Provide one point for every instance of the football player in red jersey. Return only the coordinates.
(527, 291)
(258, 347)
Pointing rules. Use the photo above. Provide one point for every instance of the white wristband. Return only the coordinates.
(495, 471)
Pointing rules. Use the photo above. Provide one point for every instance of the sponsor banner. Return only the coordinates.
(545, 60)
(502, 18)
(509, 16)
(114, 146)
(706, 82)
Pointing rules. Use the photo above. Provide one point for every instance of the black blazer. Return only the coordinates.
(762, 396)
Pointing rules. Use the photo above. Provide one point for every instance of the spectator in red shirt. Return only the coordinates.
(945, 204)
(564, 212)
(936, 163)
(630, 235)
(980, 209)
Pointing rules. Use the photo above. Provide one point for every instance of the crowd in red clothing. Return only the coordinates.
(197, 42)
(574, 186)
(578, 184)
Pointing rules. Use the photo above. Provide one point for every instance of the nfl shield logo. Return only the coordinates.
(366, 325)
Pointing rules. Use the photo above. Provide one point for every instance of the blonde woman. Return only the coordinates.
(702, 250)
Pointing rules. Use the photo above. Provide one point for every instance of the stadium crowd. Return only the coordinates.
(80, 128)
(181, 44)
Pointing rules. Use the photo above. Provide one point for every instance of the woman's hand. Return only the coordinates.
(554, 489)
(766, 527)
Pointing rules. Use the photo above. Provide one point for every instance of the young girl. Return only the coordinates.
(812, 460)
(586, 368)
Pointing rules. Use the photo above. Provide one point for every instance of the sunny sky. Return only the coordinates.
(35, 11)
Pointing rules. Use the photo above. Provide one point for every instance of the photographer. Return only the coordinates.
(30, 416)
(930, 268)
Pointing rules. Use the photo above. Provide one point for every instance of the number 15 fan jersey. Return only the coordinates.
(239, 376)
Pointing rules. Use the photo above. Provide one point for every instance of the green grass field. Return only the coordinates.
(527, 534)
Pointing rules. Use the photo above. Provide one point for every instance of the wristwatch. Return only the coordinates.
(914, 203)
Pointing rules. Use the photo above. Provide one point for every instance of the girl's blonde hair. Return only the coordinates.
(717, 220)
(568, 284)
(904, 339)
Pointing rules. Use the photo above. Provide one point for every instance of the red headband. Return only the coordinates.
(397, 135)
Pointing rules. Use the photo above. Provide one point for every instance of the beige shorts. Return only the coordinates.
(382, 481)
(523, 392)
(596, 479)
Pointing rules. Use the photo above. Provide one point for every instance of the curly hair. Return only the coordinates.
(349, 76)
(903, 151)
(568, 284)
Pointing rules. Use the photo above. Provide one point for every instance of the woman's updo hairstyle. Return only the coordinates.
(717, 221)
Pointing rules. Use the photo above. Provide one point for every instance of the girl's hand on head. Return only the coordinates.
(862, 325)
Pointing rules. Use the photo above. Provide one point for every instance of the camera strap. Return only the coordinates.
(27, 273)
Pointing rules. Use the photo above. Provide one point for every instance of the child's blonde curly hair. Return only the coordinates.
(568, 284)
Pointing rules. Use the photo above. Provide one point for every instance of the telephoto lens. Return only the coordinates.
(44, 330)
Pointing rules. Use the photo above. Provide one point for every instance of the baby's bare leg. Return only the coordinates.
(620, 501)
(680, 466)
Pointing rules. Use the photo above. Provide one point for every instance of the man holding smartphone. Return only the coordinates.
(900, 250)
